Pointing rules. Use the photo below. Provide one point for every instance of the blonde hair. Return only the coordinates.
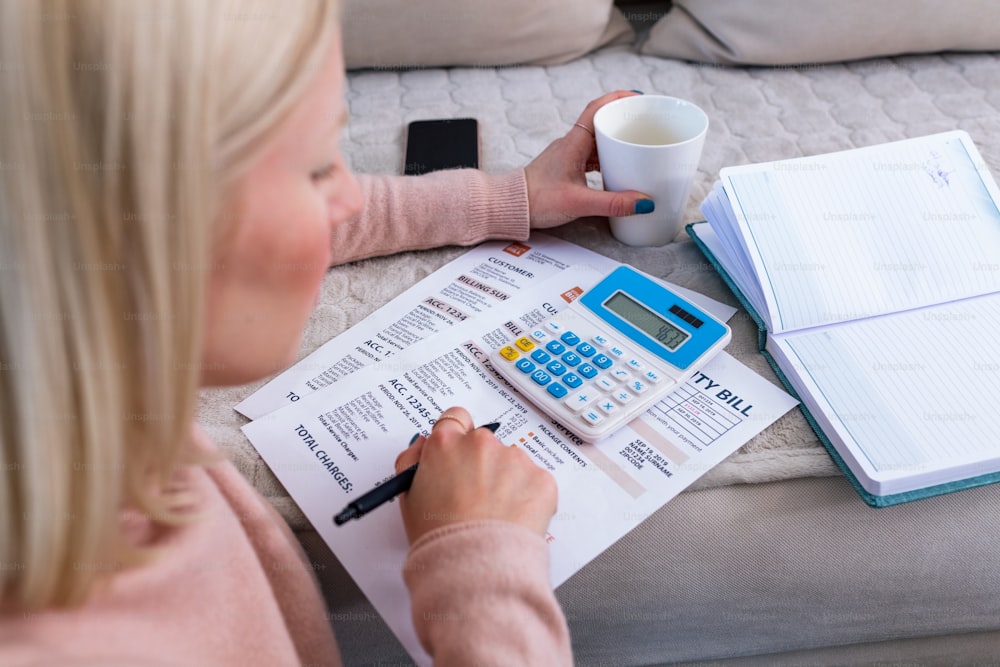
(122, 124)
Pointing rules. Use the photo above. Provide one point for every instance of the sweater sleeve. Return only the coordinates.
(455, 207)
(481, 595)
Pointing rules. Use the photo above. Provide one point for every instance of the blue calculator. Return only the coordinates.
(612, 353)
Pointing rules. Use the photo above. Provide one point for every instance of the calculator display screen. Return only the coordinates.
(646, 320)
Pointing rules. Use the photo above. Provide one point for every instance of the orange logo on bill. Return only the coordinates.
(517, 249)
(571, 295)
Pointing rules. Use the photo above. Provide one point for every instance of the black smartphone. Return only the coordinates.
(432, 145)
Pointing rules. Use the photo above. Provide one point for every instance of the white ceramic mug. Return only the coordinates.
(650, 143)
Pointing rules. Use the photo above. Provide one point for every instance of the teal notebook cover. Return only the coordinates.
(873, 500)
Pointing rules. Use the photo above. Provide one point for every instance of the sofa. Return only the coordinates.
(771, 558)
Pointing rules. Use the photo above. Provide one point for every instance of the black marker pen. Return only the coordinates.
(383, 493)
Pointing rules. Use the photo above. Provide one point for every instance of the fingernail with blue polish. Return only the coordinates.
(637, 91)
(413, 439)
(644, 206)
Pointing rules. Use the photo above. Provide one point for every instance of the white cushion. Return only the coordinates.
(403, 33)
(783, 32)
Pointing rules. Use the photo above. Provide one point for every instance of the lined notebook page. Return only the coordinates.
(726, 244)
(874, 230)
(912, 395)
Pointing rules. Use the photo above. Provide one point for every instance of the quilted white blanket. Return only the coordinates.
(756, 114)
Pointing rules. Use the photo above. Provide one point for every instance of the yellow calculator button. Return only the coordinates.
(509, 353)
(525, 344)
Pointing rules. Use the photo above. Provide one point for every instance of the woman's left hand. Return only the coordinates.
(557, 182)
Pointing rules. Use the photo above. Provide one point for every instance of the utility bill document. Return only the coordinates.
(474, 284)
(339, 441)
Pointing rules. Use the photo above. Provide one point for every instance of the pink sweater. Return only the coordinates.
(460, 207)
(234, 588)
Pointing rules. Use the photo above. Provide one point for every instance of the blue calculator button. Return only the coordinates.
(541, 357)
(541, 377)
(524, 365)
(587, 371)
(602, 361)
(555, 347)
(557, 390)
(586, 350)
(570, 338)
(556, 368)
(572, 380)
(571, 359)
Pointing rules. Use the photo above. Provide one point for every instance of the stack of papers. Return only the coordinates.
(329, 440)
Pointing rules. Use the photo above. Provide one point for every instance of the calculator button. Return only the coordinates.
(607, 406)
(623, 396)
(570, 338)
(620, 375)
(557, 390)
(541, 356)
(587, 371)
(541, 377)
(525, 344)
(616, 352)
(600, 341)
(572, 380)
(652, 377)
(525, 366)
(604, 383)
(586, 350)
(592, 417)
(601, 361)
(554, 327)
(571, 359)
(539, 335)
(555, 347)
(556, 368)
(635, 364)
(509, 353)
(580, 399)
(638, 386)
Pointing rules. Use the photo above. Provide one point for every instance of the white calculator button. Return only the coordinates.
(607, 406)
(539, 335)
(635, 364)
(652, 377)
(604, 383)
(623, 396)
(616, 352)
(599, 341)
(638, 386)
(592, 417)
(620, 374)
(581, 399)
(554, 327)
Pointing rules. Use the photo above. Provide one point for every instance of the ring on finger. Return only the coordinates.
(451, 417)
(585, 128)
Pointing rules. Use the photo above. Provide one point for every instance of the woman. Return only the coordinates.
(171, 182)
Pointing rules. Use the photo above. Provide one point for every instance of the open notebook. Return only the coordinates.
(874, 276)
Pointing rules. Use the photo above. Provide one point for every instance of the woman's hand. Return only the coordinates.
(557, 184)
(466, 474)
